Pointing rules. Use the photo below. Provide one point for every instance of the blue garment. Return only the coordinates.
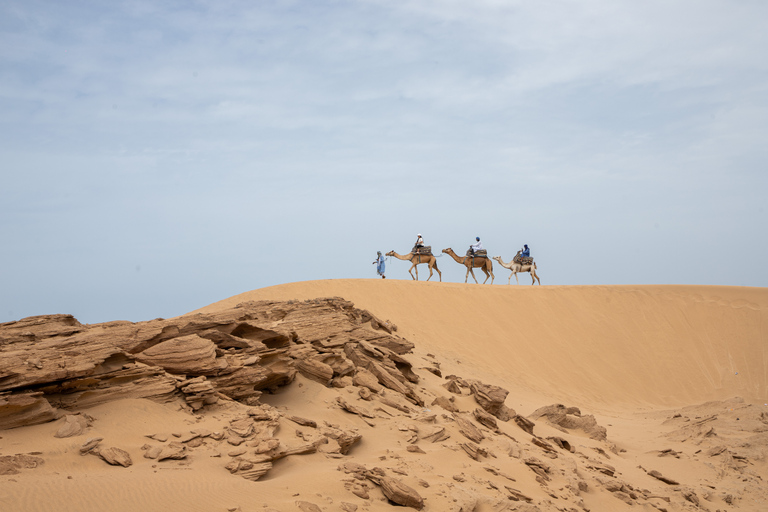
(526, 253)
(380, 265)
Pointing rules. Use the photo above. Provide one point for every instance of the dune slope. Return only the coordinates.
(597, 345)
(483, 399)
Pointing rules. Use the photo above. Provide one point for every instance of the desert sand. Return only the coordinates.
(612, 398)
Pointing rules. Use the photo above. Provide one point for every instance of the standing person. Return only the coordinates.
(526, 251)
(380, 265)
(476, 246)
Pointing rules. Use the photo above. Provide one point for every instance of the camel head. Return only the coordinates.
(448, 250)
(497, 258)
(390, 253)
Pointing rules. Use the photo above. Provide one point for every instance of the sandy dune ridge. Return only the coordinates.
(609, 345)
(675, 377)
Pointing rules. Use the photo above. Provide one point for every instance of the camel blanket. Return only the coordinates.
(482, 253)
(522, 260)
(427, 250)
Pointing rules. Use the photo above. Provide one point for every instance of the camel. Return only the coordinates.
(519, 267)
(418, 259)
(482, 262)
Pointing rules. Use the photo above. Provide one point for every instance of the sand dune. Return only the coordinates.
(664, 392)
(592, 345)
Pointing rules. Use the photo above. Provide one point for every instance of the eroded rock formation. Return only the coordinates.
(53, 364)
(471, 449)
(569, 418)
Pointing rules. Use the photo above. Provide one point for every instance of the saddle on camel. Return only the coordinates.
(523, 260)
(425, 250)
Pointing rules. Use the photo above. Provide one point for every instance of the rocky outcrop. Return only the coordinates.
(43, 326)
(569, 418)
(24, 409)
(54, 362)
(491, 398)
(460, 452)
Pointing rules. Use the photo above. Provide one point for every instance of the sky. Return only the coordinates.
(159, 156)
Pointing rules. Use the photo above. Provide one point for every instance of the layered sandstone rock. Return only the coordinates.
(569, 418)
(54, 362)
(24, 409)
(189, 354)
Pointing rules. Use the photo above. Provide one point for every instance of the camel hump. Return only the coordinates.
(426, 250)
(482, 253)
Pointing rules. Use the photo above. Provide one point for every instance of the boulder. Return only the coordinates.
(115, 456)
(491, 398)
(397, 492)
(74, 425)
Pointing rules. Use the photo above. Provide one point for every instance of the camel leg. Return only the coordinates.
(516, 279)
(416, 268)
(488, 269)
(534, 275)
(509, 280)
(434, 266)
(417, 272)
(470, 271)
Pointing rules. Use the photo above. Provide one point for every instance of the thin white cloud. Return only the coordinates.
(566, 124)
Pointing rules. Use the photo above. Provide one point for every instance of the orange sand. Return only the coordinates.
(630, 355)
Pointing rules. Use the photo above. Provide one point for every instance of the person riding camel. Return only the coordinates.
(419, 241)
(476, 246)
(526, 251)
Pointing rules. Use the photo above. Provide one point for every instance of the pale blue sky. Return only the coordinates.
(160, 156)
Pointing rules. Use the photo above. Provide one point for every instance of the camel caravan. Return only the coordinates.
(476, 257)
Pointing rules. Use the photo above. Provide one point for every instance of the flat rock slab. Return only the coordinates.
(116, 457)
